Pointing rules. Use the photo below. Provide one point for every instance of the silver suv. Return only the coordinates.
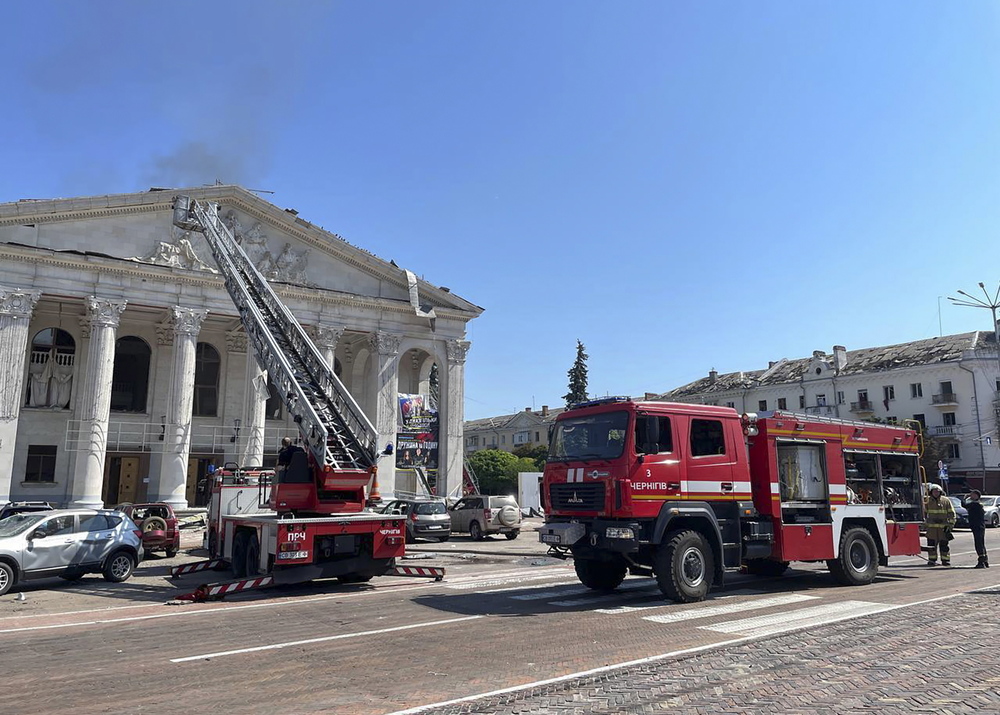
(68, 543)
(480, 515)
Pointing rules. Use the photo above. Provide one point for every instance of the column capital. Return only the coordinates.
(385, 344)
(325, 336)
(457, 350)
(104, 312)
(18, 303)
(236, 340)
(187, 321)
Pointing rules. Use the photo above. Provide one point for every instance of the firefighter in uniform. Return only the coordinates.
(940, 515)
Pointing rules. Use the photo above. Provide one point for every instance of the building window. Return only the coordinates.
(536, 437)
(949, 419)
(762, 405)
(891, 419)
(862, 396)
(206, 381)
(802, 402)
(916, 390)
(503, 439)
(273, 408)
(953, 452)
(840, 397)
(821, 400)
(921, 419)
(130, 381)
(731, 404)
(782, 403)
(520, 438)
(41, 464)
(50, 369)
(888, 392)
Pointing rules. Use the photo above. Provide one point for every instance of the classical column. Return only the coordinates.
(386, 347)
(256, 400)
(15, 314)
(326, 340)
(171, 486)
(452, 406)
(94, 403)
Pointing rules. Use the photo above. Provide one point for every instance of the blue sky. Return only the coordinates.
(680, 185)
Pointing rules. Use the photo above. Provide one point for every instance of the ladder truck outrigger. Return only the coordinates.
(685, 492)
(309, 520)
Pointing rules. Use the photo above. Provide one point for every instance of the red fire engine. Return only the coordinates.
(307, 519)
(684, 492)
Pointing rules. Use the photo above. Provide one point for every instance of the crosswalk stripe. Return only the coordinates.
(790, 620)
(526, 587)
(626, 586)
(560, 570)
(689, 614)
(486, 583)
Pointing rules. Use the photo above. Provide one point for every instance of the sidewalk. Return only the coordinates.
(939, 656)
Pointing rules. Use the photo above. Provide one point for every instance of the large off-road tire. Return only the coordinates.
(684, 566)
(476, 531)
(600, 575)
(153, 523)
(239, 558)
(119, 566)
(7, 577)
(766, 567)
(511, 535)
(252, 555)
(857, 564)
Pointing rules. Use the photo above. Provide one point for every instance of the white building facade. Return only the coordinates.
(950, 384)
(124, 369)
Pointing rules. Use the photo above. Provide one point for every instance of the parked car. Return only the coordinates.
(158, 524)
(21, 507)
(991, 507)
(68, 543)
(479, 515)
(961, 513)
(425, 518)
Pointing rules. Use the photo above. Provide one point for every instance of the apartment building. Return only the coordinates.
(528, 428)
(950, 384)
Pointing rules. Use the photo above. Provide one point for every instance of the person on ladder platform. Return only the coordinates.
(977, 522)
(940, 521)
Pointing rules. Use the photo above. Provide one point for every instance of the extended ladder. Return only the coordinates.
(332, 425)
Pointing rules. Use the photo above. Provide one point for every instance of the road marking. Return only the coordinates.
(324, 639)
(626, 586)
(525, 588)
(561, 570)
(761, 626)
(690, 614)
(627, 664)
(487, 582)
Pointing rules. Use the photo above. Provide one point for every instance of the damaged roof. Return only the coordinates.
(948, 348)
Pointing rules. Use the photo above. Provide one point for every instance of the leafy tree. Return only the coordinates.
(577, 377)
(495, 470)
(536, 453)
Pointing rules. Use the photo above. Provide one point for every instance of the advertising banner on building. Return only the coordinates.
(417, 438)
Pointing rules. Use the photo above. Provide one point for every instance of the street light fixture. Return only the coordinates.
(991, 303)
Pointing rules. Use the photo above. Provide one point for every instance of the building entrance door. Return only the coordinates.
(121, 485)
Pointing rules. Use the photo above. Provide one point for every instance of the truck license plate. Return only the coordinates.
(550, 538)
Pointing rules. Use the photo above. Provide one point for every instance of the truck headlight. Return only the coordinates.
(619, 532)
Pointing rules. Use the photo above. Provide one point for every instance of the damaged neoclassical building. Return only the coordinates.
(125, 373)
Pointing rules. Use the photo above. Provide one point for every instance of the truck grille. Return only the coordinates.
(577, 497)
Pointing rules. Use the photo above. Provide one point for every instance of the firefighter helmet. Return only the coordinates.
(932, 487)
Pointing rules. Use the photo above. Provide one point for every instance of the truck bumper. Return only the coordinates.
(617, 536)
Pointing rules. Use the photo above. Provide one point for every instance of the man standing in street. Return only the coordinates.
(977, 522)
(940, 515)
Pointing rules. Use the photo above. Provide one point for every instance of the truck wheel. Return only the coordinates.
(239, 559)
(476, 531)
(684, 566)
(253, 555)
(600, 575)
(766, 567)
(857, 564)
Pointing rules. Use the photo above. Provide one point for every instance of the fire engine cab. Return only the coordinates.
(684, 492)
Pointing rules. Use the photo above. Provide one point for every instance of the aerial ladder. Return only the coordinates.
(312, 522)
(339, 437)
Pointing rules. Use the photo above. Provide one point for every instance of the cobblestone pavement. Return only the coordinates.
(893, 662)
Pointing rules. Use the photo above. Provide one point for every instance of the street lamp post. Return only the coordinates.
(991, 303)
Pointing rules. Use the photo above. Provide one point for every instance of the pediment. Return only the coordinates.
(525, 419)
(138, 228)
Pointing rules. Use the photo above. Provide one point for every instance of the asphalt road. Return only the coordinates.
(505, 617)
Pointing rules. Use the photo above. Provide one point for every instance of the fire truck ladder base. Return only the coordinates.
(211, 564)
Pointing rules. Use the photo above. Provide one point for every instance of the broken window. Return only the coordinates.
(50, 369)
(130, 383)
(206, 380)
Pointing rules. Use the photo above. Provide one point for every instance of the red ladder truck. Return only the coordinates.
(686, 492)
(309, 520)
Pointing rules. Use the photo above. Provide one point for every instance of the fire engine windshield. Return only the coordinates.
(599, 436)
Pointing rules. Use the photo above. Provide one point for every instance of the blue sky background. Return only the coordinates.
(680, 185)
